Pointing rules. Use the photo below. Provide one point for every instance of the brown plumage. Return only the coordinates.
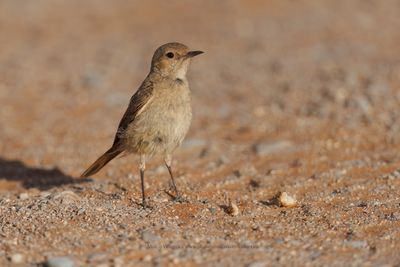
(102, 161)
(159, 113)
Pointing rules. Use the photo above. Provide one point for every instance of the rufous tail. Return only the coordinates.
(102, 161)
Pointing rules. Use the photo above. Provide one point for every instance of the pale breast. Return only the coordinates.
(163, 124)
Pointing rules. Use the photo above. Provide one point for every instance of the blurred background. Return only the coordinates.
(299, 96)
(68, 69)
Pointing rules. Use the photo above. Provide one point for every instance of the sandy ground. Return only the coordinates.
(291, 96)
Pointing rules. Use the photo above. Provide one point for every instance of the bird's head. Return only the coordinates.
(172, 60)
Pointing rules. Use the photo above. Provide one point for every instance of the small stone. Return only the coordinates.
(17, 258)
(257, 264)
(91, 79)
(194, 143)
(160, 170)
(265, 149)
(315, 254)
(160, 199)
(97, 257)
(364, 104)
(287, 201)
(223, 160)
(23, 196)
(66, 197)
(232, 209)
(357, 244)
(110, 173)
(45, 194)
(59, 262)
(248, 170)
(147, 258)
(119, 262)
(212, 210)
(198, 259)
(147, 236)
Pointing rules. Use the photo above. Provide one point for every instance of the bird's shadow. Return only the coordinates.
(31, 177)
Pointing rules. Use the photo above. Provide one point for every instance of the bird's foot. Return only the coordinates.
(177, 197)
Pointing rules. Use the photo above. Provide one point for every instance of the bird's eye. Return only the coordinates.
(170, 55)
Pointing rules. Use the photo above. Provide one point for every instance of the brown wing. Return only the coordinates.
(138, 101)
(142, 96)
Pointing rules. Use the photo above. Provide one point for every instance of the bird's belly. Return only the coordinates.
(159, 129)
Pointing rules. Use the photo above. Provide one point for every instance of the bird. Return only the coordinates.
(158, 116)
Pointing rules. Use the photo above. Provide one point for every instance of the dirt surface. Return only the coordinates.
(297, 96)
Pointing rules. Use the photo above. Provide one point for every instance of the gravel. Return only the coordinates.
(290, 96)
(17, 258)
(59, 262)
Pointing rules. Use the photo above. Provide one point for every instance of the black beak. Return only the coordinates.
(194, 53)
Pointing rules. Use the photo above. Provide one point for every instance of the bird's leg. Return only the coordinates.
(142, 167)
(168, 162)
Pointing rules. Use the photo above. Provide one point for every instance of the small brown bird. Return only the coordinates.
(159, 113)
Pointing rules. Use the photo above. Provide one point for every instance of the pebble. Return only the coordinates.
(315, 254)
(45, 194)
(233, 209)
(147, 236)
(223, 160)
(248, 170)
(160, 170)
(59, 262)
(17, 258)
(147, 258)
(198, 259)
(110, 173)
(91, 79)
(212, 210)
(257, 264)
(265, 149)
(23, 196)
(97, 257)
(357, 243)
(193, 143)
(287, 201)
(364, 104)
(66, 197)
(119, 262)
(160, 199)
